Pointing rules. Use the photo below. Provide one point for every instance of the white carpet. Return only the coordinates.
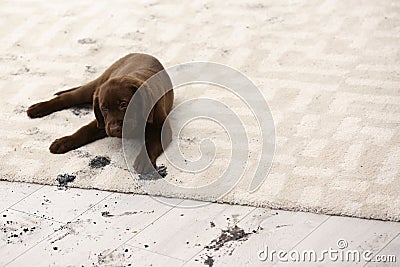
(330, 71)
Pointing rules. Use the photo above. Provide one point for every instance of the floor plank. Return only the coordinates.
(183, 232)
(60, 205)
(131, 256)
(275, 229)
(11, 193)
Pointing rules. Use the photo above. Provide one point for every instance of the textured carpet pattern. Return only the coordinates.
(330, 71)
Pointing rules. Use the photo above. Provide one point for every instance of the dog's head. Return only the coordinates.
(110, 102)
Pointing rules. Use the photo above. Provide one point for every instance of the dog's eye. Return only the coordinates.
(104, 109)
(123, 104)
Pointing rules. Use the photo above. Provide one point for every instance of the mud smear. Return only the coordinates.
(20, 109)
(118, 257)
(225, 243)
(90, 69)
(64, 231)
(32, 131)
(283, 225)
(64, 179)
(127, 213)
(190, 140)
(87, 41)
(82, 154)
(21, 71)
(106, 214)
(137, 36)
(231, 234)
(81, 110)
(99, 162)
(8, 57)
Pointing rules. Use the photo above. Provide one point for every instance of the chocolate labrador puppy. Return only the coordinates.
(110, 95)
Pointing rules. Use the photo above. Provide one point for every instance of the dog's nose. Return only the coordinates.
(116, 130)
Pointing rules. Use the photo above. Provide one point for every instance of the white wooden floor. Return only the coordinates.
(44, 226)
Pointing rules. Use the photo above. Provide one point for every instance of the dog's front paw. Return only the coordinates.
(38, 110)
(62, 145)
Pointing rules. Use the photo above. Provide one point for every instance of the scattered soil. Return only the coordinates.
(20, 109)
(13, 232)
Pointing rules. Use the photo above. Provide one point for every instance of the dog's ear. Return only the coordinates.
(145, 94)
(97, 111)
(147, 100)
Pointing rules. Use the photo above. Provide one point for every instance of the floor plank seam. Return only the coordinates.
(37, 216)
(23, 198)
(304, 238)
(91, 207)
(152, 251)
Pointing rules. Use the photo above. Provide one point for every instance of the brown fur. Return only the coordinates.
(109, 95)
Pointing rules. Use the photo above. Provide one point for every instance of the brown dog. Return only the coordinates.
(110, 94)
